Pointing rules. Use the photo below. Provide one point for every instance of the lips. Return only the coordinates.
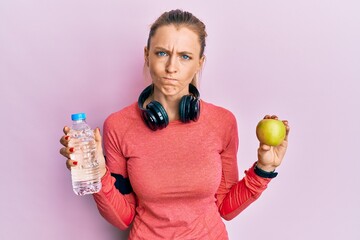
(169, 79)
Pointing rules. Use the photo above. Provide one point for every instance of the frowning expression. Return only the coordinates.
(173, 59)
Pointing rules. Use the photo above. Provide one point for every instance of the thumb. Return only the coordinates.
(264, 147)
(98, 140)
(100, 152)
(97, 135)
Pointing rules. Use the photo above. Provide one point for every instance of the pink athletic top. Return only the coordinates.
(184, 177)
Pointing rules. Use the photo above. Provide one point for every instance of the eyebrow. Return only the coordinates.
(166, 50)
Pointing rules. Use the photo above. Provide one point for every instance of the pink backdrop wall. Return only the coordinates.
(297, 59)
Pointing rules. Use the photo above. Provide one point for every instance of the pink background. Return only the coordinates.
(297, 59)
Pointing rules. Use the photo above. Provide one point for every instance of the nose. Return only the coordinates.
(171, 65)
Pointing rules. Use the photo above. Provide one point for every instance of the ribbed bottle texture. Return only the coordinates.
(86, 174)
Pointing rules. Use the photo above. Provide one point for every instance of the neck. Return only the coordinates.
(172, 109)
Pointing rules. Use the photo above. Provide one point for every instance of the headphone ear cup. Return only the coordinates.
(159, 113)
(184, 109)
(194, 109)
(189, 109)
(150, 119)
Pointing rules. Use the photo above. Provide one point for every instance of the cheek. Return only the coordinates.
(156, 66)
(191, 71)
(156, 70)
(153, 69)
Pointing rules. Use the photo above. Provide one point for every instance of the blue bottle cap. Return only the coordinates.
(78, 116)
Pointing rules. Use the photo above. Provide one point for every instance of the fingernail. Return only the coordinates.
(71, 149)
(67, 138)
(75, 163)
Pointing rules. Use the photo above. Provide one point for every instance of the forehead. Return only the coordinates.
(181, 37)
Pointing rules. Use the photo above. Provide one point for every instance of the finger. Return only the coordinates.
(287, 129)
(71, 163)
(267, 117)
(287, 132)
(64, 140)
(286, 123)
(274, 117)
(66, 151)
(66, 130)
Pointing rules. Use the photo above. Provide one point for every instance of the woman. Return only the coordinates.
(178, 152)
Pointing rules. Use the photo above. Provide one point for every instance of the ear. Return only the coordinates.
(201, 62)
(146, 56)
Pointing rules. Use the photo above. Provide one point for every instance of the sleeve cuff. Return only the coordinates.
(264, 174)
(107, 181)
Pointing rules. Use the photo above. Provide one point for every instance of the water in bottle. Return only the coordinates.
(86, 174)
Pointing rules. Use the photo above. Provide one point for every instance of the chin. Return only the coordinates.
(169, 90)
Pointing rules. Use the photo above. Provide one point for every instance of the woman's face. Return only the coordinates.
(173, 60)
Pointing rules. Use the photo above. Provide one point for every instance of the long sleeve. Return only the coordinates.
(233, 196)
(116, 206)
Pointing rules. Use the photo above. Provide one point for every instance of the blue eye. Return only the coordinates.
(161, 54)
(185, 57)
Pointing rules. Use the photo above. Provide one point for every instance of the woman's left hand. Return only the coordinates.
(270, 157)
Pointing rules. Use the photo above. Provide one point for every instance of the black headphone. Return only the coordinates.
(155, 115)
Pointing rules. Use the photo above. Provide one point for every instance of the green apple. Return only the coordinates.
(271, 132)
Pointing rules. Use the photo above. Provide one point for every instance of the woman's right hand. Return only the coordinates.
(66, 150)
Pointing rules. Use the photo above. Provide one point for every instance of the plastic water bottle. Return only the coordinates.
(86, 174)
